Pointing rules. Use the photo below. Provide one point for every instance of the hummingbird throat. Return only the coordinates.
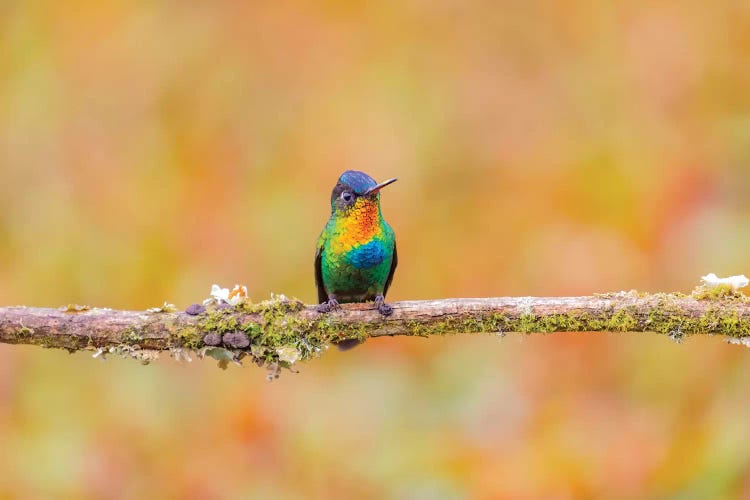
(360, 223)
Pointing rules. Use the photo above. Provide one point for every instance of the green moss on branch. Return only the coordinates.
(280, 332)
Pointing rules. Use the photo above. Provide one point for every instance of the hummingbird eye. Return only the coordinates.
(347, 196)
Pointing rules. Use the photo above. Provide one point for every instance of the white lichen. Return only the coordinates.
(233, 297)
(223, 356)
(164, 308)
(145, 356)
(736, 282)
(738, 341)
(289, 354)
(180, 354)
(525, 305)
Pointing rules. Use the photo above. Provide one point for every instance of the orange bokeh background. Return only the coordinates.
(151, 149)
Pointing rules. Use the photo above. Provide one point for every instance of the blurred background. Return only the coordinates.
(151, 149)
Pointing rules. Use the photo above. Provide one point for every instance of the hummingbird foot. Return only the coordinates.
(329, 306)
(383, 308)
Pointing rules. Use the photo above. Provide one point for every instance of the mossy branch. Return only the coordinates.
(280, 332)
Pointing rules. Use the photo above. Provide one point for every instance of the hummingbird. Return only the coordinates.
(356, 252)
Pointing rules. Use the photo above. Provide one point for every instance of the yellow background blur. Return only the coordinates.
(151, 149)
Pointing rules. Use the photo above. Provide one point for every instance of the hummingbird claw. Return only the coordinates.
(383, 308)
(329, 306)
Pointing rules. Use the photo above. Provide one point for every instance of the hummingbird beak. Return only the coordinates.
(380, 186)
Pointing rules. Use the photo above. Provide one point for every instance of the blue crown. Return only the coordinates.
(358, 181)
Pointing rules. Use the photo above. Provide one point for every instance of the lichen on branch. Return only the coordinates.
(280, 332)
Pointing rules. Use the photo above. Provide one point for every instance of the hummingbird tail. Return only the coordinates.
(347, 345)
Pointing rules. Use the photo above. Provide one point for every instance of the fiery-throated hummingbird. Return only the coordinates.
(356, 254)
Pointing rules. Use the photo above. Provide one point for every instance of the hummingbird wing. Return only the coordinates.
(322, 295)
(394, 263)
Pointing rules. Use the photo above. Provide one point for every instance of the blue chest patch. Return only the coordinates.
(368, 255)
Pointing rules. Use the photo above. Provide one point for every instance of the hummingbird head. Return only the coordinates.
(356, 189)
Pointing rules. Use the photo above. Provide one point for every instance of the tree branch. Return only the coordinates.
(279, 332)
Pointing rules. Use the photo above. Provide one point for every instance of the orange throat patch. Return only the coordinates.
(358, 227)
